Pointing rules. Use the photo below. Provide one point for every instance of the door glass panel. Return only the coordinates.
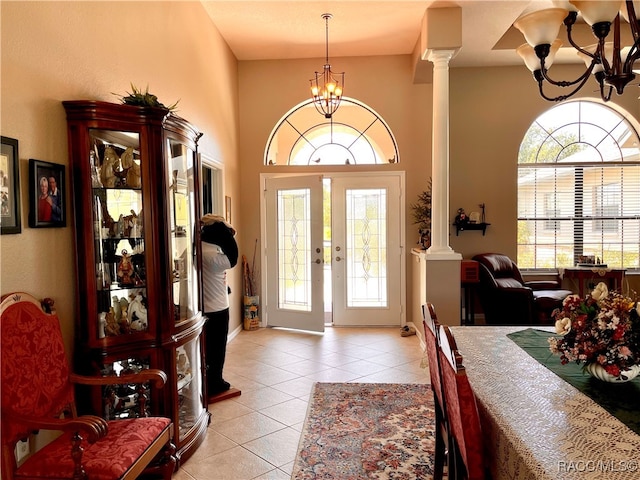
(294, 249)
(182, 217)
(366, 223)
(188, 369)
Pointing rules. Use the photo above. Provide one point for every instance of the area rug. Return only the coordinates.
(367, 431)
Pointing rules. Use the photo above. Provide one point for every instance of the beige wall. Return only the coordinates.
(269, 89)
(55, 51)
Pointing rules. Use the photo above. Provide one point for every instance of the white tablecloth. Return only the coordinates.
(538, 426)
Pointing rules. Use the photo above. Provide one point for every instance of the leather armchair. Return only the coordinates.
(508, 300)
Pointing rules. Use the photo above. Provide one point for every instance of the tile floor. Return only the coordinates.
(255, 435)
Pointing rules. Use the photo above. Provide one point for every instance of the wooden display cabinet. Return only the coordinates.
(136, 210)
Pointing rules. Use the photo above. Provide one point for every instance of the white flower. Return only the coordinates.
(563, 326)
(600, 292)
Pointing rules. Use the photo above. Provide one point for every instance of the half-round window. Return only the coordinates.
(579, 189)
(354, 135)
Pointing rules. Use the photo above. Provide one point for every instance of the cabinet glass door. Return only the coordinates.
(189, 386)
(181, 201)
(118, 232)
(125, 400)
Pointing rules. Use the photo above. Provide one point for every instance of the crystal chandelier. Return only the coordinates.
(610, 62)
(326, 87)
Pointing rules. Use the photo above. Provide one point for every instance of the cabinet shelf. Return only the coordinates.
(471, 226)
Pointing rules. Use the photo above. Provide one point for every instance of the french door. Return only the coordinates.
(366, 253)
(293, 248)
(364, 235)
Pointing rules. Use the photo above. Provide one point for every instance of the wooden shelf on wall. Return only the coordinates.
(471, 226)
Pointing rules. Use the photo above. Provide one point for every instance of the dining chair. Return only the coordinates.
(466, 451)
(431, 325)
(38, 394)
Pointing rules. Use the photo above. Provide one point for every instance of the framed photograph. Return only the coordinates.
(10, 187)
(227, 209)
(46, 194)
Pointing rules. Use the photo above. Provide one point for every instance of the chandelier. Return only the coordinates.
(610, 62)
(326, 87)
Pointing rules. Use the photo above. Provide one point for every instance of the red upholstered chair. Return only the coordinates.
(431, 326)
(467, 448)
(38, 394)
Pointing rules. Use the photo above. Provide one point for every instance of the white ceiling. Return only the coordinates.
(267, 30)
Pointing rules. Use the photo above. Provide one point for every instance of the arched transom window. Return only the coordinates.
(579, 189)
(354, 135)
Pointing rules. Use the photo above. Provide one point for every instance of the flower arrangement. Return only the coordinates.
(604, 328)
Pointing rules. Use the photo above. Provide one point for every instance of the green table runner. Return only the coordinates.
(620, 400)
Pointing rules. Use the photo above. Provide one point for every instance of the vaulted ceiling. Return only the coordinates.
(261, 30)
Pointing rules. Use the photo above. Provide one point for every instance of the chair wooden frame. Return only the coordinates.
(85, 438)
(431, 334)
(466, 451)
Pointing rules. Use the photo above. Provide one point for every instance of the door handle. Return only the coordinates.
(338, 259)
(318, 261)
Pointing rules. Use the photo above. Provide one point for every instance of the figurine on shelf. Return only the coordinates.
(111, 328)
(128, 224)
(138, 313)
(131, 168)
(125, 269)
(108, 223)
(461, 218)
(109, 166)
(115, 303)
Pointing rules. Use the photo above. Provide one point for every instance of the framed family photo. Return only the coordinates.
(46, 194)
(9, 187)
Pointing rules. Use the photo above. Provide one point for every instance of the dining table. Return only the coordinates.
(538, 425)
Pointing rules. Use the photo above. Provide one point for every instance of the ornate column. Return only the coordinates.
(441, 39)
(440, 155)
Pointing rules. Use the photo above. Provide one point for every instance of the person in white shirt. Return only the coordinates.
(219, 253)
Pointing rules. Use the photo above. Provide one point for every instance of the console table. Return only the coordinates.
(612, 276)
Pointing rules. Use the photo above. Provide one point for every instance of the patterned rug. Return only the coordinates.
(367, 431)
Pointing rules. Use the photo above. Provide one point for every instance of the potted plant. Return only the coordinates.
(422, 216)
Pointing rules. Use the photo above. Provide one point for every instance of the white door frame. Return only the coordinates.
(403, 249)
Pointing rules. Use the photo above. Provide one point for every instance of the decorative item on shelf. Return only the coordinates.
(461, 218)
(110, 164)
(137, 311)
(327, 86)
(422, 216)
(143, 99)
(125, 269)
(473, 221)
(602, 329)
(610, 62)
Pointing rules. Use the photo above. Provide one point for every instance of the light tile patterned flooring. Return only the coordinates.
(256, 435)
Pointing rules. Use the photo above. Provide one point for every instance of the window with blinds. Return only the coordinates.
(579, 189)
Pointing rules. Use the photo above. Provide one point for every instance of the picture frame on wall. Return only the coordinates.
(10, 187)
(46, 194)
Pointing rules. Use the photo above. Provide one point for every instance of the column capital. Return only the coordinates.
(440, 56)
